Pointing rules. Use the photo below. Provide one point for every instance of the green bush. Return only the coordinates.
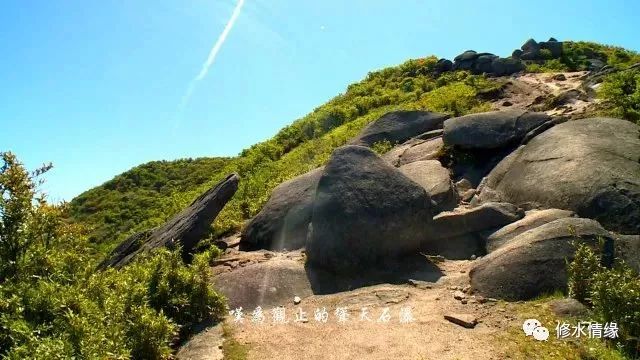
(381, 147)
(546, 54)
(621, 91)
(576, 56)
(580, 272)
(614, 294)
(455, 99)
(53, 304)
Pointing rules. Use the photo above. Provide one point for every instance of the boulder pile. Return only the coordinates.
(488, 63)
(530, 186)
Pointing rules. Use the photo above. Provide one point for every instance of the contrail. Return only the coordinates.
(212, 55)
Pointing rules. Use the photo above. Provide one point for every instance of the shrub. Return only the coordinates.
(455, 99)
(614, 294)
(580, 272)
(621, 91)
(381, 147)
(546, 54)
(52, 303)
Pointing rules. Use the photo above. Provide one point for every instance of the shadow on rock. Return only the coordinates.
(399, 271)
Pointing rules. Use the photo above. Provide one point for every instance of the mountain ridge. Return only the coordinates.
(418, 84)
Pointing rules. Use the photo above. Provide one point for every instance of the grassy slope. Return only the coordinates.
(148, 194)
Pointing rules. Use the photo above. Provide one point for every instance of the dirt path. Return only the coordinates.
(428, 336)
(533, 90)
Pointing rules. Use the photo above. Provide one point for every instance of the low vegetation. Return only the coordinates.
(621, 91)
(613, 294)
(53, 305)
(577, 55)
(520, 347)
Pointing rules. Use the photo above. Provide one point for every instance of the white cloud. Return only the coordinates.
(212, 56)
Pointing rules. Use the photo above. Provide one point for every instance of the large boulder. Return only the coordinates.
(283, 221)
(443, 65)
(365, 212)
(467, 55)
(483, 62)
(554, 47)
(589, 166)
(534, 262)
(465, 60)
(531, 50)
(435, 179)
(399, 126)
(532, 219)
(530, 46)
(492, 129)
(185, 229)
(506, 66)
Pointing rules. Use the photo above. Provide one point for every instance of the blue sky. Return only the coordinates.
(97, 87)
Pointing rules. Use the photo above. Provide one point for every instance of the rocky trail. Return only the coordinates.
(427, 336)
(531, 90)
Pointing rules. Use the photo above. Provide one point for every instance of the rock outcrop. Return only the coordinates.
(457, 234)
(399, 126)
(267, 284)
(532, 219)
(425, 150)
(365, 212)
(283, 221)
(491, 130)
(545, 50)
(456, 223)
(487, 63)
(589, 166)
(185, 229)
(534, 262)
(435, 179)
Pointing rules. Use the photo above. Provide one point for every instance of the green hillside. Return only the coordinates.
(147, 195)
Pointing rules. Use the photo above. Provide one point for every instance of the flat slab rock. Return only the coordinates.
(427, 150)
(185, 229)
(463, 221)
(531, 220)
(465, 320)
